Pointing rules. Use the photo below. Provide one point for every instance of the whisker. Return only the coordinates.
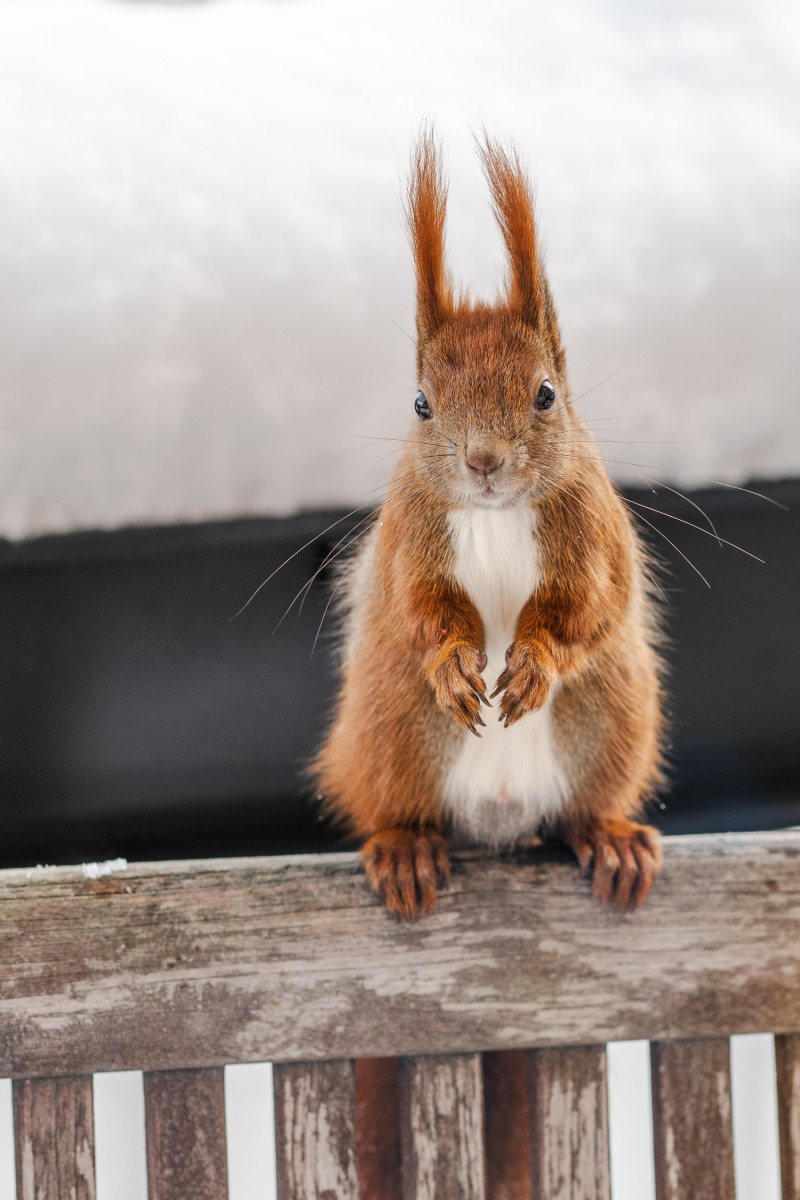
(692, 525)
(620, 462)
(295, 553)
(674, 547)
(397, 324)
(348, 538)
(588, 391)
(688, 499)
(325, 610)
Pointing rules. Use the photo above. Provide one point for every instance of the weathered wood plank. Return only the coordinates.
(54, 1138)
(787, 1069)
(198, 964)
(692, 1124)
(568, 1122)
(315, 1131)
(441, 1127)
(184, 1115)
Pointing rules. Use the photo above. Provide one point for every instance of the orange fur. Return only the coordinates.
(413, 648)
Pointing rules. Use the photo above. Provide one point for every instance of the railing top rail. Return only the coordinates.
(203, 963)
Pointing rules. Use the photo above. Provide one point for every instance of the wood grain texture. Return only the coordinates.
(441, 1127)
(315, 1131)
(787, 1069)
(200, 964)
(568, 1122)
(692, 1124)
(54, 1139)
(184, 1114)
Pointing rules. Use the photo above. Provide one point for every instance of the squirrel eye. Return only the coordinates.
(422, 408)
(546, 396)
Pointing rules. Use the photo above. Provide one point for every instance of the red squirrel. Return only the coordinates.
(500, 677)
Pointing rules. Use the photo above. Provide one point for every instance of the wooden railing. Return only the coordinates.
(180, 968)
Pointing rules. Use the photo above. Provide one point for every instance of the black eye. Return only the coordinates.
(546, 396)
(422, 408)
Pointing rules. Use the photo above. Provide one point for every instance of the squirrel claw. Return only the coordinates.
(524, 683)
(405, 867)
(623, 858)
(459, 688)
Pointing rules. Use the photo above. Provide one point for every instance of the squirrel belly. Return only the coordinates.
(502, 785)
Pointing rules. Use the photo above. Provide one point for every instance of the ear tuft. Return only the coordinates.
(426, 209)
(512, 200)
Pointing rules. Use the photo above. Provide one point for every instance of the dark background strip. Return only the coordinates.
(139, 720)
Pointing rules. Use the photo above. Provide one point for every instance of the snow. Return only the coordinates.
(203, 268)
(96, 870)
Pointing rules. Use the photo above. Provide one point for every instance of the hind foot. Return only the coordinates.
(625, 859)
(405, 867)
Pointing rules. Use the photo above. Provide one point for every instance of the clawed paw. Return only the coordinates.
(524, 683)
(460, 690)
(624, 858)
(405, 867)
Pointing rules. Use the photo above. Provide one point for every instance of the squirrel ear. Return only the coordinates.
(426, 208)
(512, 200)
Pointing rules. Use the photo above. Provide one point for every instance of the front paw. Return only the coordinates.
(405, 867)
(624, 859)
(456, 677)
(524, 683)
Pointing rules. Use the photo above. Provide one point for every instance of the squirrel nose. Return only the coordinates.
(483, 462)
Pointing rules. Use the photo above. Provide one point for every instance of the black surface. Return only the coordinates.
(138, 719)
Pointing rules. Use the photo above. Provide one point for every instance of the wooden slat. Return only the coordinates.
(184, 1114)
(54, 1138)
(315, 1131)
(198, 964)
(441, 1128)
(568, 1122)
(787, 1067)
(692, 1126)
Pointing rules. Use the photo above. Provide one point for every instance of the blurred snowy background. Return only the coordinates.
(203, 266)
(204, 288)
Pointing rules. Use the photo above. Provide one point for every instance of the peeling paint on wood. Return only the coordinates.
(290, 959)
(568, 1122)
(184, 1115)
(692, 1125)
(787, 1069)
(54, 1139)
(441, 1127)
(315, 1131)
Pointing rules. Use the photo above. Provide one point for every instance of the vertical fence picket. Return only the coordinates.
(787, 1069)
(315, 1130)
(184, 1114)
(54, 1138)
(568, 1122)
(692, 1122)
(441, 1127)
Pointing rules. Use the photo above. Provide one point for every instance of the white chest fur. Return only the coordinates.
(502, 784)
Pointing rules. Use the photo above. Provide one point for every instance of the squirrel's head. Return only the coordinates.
(493, 418)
